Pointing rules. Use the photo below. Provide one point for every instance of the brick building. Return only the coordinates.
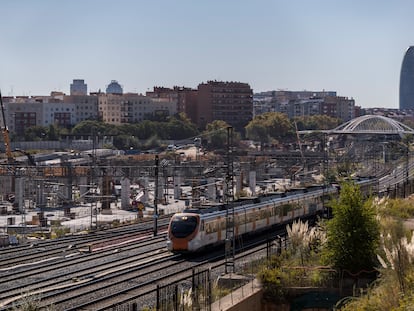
(231, 102)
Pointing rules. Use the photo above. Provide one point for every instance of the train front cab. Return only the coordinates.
(182, 232)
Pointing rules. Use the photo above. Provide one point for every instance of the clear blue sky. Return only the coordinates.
(354, 47)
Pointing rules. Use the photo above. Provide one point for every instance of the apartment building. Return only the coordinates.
(23, 112)
(304, 107)
(57, 109)
(185, 97)
(339, 107)
(231, 102)
(133, 107)
(307, 103)
(86, 106)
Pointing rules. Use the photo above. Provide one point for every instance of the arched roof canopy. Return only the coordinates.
(371, 124)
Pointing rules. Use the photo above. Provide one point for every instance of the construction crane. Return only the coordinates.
(5, 132)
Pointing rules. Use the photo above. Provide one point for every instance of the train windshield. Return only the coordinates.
(183, 226)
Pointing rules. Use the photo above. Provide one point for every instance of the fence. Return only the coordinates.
(192, 294)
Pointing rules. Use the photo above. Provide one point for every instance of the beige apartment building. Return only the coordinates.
(133, 107)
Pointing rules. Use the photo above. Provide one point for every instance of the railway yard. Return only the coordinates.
(103, 270)
(114, 255)
(96, 268)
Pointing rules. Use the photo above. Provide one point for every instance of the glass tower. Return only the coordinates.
(407, 80)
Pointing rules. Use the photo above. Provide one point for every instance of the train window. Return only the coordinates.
(183, 226)
(208, 227)
(251, 216)
(286, 208)
(214, 226)
(244, 218)
(264, 214)
(223, 224)
(239, 219)
(211, 227)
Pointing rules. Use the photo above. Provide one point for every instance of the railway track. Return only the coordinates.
(144, 293)
(99, 280)
(54, 249)
(41, 278)
(72, 267)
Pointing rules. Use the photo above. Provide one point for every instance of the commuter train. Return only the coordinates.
(197, 229)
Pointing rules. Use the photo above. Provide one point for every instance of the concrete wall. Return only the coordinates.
(247, 297)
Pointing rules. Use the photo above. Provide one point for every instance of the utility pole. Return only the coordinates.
(156, 196)
(326, 171)
(93, 185)
(230, 238)
(407, 167)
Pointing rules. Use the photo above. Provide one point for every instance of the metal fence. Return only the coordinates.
(192, 294)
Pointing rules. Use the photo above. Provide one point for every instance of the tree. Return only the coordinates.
(216, 134)
(53, 132)
(274, 125)
(316, 122)
(180, 127)
(36, 133)
(257, 130)
(353, 232)
(88, 127)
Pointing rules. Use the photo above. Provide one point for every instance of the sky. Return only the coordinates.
(353, 47)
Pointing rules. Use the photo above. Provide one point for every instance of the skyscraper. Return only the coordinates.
(407, 80)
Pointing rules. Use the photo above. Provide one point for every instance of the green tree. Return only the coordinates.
(146, 129)
(216, 135)
(316, 122)
(353, 232)
(35, 133)
(89, 126)
(180, 127)
(257, 130)
(53, 132)
(269, 125)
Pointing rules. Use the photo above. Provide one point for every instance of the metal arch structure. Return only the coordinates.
(372, 124)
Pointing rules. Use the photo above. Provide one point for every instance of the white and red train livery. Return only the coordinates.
(196, 229)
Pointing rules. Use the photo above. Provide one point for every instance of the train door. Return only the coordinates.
(268, 214)
(236, 224)
(275, 214)
(243, 222)
(250, 220)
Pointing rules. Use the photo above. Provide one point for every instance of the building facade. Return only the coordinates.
(231, 102)
(23, 112)
(185, 97)
(86, 106)
(133, 108)
(306, 103)
(78, 87)
(407, 81)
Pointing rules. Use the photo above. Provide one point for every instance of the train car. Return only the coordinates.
(197, 229)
